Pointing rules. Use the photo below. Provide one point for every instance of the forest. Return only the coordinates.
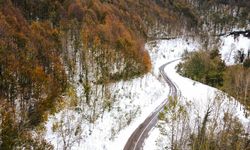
(43, 42)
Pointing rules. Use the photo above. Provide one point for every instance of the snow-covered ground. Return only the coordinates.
(163, 51)
(200, 101)
(133, 101)
(230, 47)
(200, 96)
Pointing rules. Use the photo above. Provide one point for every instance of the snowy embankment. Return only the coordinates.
(158, 58)
(230, 47)
(133, 101)
(200, 96)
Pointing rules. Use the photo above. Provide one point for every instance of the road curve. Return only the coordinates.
(136, 140)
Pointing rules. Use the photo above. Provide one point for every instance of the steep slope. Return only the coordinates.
(32, 76)
(134, 100)
(64, 54)
(49, 48)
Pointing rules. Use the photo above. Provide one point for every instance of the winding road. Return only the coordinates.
(136, 140)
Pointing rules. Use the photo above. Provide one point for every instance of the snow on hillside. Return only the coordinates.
(133, 101)
(230, 47)
(200, 101)
(164, 50)
(196, 94)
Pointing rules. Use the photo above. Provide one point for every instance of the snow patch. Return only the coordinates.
(230, 47)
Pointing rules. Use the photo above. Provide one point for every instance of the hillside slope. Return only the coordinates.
(65, 54)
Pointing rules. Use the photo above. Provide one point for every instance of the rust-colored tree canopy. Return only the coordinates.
(33, 60)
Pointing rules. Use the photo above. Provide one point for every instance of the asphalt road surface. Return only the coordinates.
(136, 140)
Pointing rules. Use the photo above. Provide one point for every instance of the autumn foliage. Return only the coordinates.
(32, 77)
(33, 59)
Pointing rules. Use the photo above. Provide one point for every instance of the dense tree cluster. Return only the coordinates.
(237, 83)
(207, 67)
(31, 71)
(223, 15)
(32, 77)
